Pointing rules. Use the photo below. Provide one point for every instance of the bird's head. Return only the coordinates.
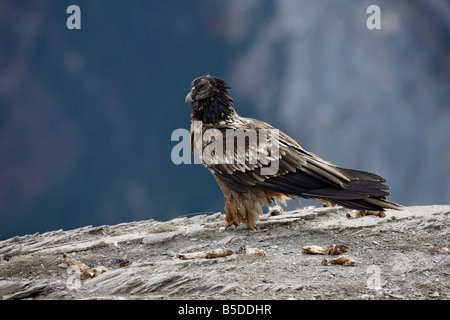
(210, 99)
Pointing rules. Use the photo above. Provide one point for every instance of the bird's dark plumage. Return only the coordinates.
(243, 174)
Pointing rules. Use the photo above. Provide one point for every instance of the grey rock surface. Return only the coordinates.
(402, 256)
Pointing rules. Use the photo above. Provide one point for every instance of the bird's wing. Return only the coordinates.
(299, 172)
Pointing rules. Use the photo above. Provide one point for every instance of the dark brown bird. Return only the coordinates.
(256, 164)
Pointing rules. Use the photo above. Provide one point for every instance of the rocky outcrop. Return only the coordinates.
(402, 256)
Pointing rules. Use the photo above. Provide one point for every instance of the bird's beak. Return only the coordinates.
(188, 100)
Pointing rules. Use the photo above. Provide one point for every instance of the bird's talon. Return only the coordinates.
(254, 230)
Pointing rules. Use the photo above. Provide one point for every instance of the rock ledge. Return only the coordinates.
(402, 256)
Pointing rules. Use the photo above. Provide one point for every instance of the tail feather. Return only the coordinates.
(372, 204)
(363, 191)
(362, 175)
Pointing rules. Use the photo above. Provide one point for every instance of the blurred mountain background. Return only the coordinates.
(86, 116)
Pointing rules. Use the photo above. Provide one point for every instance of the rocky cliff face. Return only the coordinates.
(402, 256)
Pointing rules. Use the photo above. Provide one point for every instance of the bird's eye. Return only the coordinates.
(203, 87)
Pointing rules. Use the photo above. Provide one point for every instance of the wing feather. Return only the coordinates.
(243, 167)
(300, 173)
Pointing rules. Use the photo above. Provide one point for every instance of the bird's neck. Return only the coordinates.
(214, 110)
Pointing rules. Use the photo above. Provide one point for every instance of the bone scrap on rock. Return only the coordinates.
(362, 213)
(85, 271)
(249, 251)
(342, 260)
(328, 249)
(211, 254)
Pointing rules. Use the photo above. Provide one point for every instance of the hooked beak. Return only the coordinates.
(188, 100)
